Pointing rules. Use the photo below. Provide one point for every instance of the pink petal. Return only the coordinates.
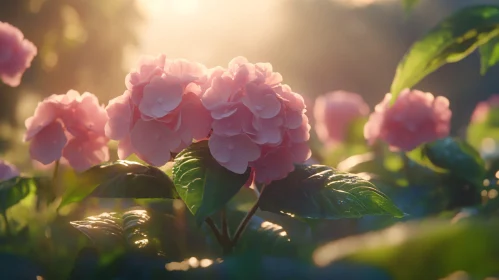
(83, 154)
(7, 171)
(185, 70)
(218, 94)
(125, 148)
(86, 117)
(154, 141)
(45, 113)
(195, 117)
(120, 114)
(233, 153)
(262, 101)
(47, 145)
(161, 96)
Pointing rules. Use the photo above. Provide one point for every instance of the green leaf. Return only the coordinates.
(320, 192)
(130, 229)
(105, 230)
(450, 41)
(243, 200)
(489, 55)
(458, 157)
(440, 247)
(203, 184)
(418, 155)
(14, 190)
(151, 183)
(120, 179)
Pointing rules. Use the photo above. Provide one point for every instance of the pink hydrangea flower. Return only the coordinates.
(16, 54)
(68, 126)
(161, 111)
(414, 119)
(257, 121)
(7, 171)
(483, 108)
(334, 112)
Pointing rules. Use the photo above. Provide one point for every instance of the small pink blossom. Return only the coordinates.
(414, 119)
(161, 111)
(16, 54)
(7, 171)
(483, 108)
(334, 112)
(69, 127)
(257, 121)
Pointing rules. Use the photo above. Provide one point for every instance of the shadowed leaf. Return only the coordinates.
(320, 192)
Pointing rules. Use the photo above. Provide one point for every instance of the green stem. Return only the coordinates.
(216, 232)
(405, 166)
(7, 225)
(225, 225)
(244, 223)
(56, 171)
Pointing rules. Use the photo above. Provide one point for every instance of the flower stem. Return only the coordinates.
(56, 171)
(405, 166)
(225, 225)
(215, 231)
(244, 223)
(7, 225)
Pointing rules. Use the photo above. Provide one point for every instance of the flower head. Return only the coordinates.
(7, 171)
(160, 112)
(16, 54)
(257, 121)
(334, 112)
(415, 118)
(69, 126)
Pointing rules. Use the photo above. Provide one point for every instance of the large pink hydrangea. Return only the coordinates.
(160, 112)
(68, 126)
(257, 121)
(414, 119)
(16, 54)
(7, 171)
(334, 112)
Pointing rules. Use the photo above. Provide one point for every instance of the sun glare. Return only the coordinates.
(185, 6)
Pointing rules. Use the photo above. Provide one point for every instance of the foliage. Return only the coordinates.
(434, 207)
(450, 41)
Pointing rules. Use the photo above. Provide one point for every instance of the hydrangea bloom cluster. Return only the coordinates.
(70, 126)
(415, 118)
(16, 54)
(7, 171)
(334, 112)
(161, 111)
(258, 122)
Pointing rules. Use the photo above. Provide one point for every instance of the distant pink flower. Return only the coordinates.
(160, 112)
(257, 121)
(68, 126)
(414, 119)
(483, 108)
(16, 54)
(7, 171)
(334, 112)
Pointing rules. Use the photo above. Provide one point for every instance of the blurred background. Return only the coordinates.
(318, 46)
